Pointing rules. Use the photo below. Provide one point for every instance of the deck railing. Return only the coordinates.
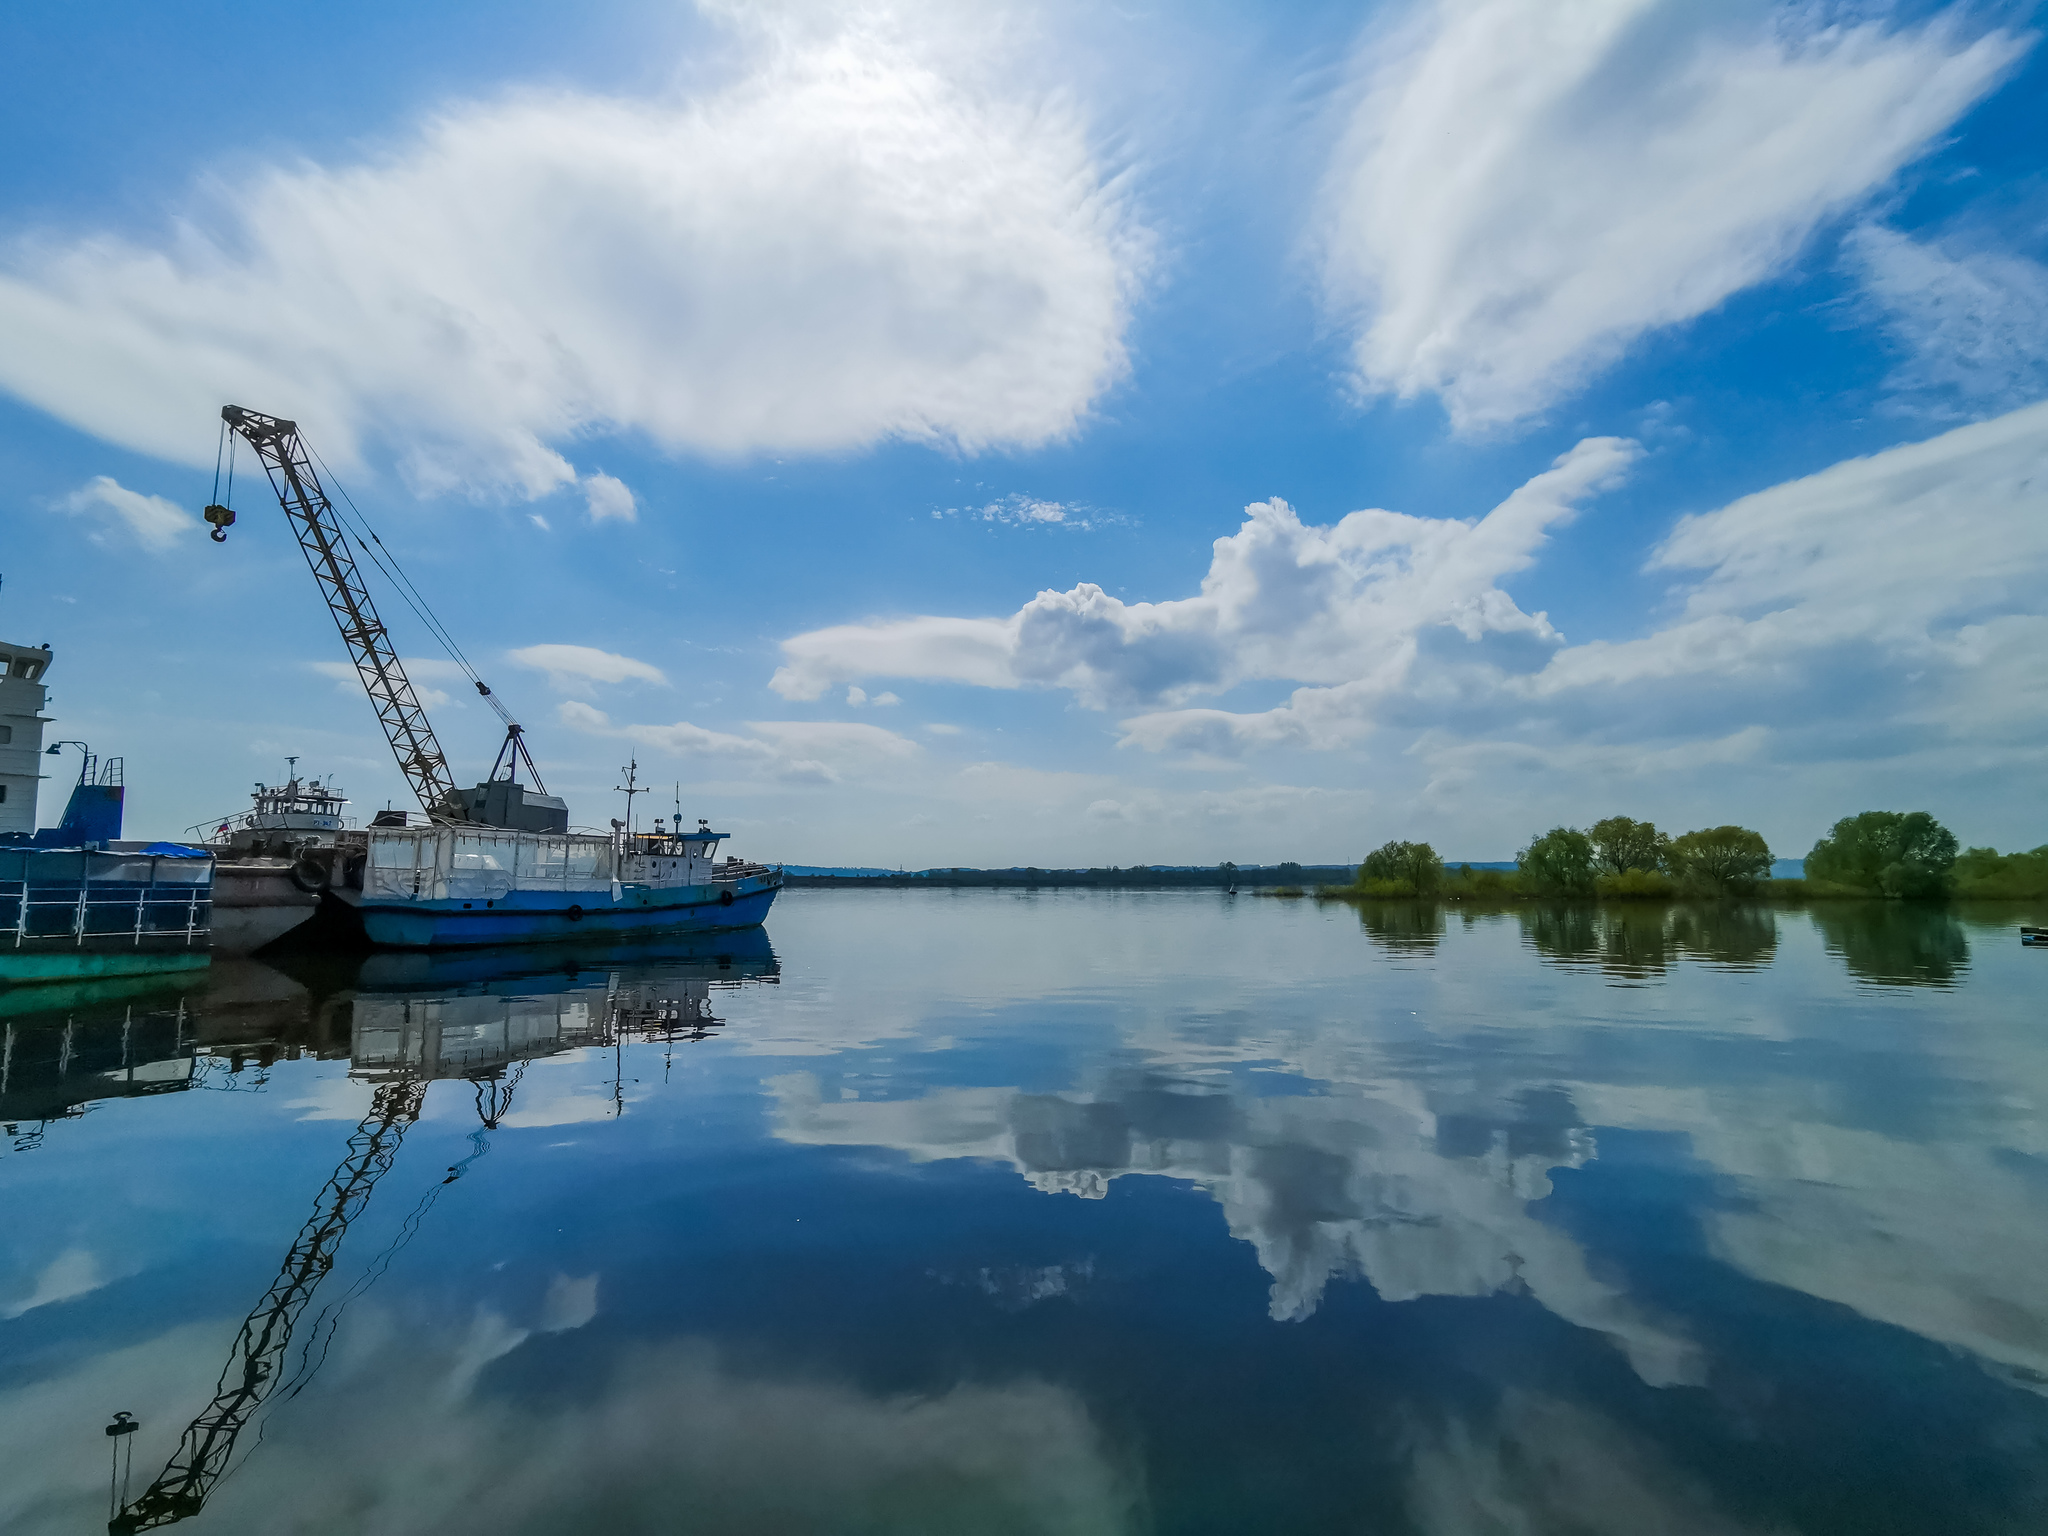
(40, 912)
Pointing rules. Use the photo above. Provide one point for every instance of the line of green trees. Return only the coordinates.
(1904, 855)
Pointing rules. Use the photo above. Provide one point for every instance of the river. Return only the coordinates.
(1007, 1211)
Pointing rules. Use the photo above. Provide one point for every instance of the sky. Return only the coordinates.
(1054, 434)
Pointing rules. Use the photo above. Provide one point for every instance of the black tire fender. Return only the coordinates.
(575, 914)
(309, 874)
(725, 897)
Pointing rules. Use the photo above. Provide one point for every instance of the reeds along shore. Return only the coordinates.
(1882, 855)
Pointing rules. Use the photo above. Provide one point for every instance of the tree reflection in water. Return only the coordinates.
(1736, 936)
(1403, 927)
(1894, 943)
(1639, 940)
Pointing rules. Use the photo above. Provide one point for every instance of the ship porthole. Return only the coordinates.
(725, 898)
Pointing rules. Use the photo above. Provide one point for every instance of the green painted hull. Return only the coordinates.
(20, 969)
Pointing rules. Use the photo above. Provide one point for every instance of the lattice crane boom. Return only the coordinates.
(255, 1364)
(333, 562)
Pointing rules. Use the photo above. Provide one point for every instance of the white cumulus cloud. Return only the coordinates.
(1525, 186)
(569, 664)
(151, 521)
(609, 500)
(844, 243)
(1884, 616)
(1282, 599)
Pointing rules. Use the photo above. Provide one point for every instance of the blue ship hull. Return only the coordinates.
(528, 917)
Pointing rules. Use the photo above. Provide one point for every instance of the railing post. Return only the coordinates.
(84, 888)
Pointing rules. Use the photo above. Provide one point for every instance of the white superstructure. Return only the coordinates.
(21, 732)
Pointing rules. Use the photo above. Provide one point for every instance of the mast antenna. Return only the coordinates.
(629, 790)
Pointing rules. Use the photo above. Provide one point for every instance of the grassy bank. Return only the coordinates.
(1882, 855)
(2014, 877)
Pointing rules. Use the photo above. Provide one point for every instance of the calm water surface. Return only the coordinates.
(1075, 1212)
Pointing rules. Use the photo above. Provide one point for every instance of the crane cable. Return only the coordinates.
(385, 561)
(229, 441)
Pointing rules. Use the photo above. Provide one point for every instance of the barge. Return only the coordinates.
(438, 887)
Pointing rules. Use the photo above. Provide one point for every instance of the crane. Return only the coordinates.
(254, 1364)
(289, 465)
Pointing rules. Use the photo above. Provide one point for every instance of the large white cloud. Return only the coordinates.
(842, 245)
(1919, 553)
(1884, 607)
(1527, 185)
(1282, 599)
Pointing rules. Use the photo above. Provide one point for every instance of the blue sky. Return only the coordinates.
(853, 414)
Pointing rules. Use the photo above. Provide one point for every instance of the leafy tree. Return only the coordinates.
(1413, 865)
(1638, 885)
(1723, 860)
(1559, 863)
(1621, 844)
(1887, 853)
(1984, 872)
(1465, 881)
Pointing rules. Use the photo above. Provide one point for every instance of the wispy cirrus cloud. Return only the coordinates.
(1029, 512)
(570, 665)
(153, 522)
(846, 242)
(1525, 187)
(1971, 323)
(791, 751)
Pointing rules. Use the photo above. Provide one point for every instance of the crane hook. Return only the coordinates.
(222, 519)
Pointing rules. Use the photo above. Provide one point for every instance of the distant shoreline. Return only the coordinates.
(1138, 878)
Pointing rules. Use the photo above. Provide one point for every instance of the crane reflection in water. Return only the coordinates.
(478, 1019)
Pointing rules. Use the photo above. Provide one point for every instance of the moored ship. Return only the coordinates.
(438, 887)
(495, 864)
(275, 860)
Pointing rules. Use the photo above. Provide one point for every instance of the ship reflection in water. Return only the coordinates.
(1048, 1212)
